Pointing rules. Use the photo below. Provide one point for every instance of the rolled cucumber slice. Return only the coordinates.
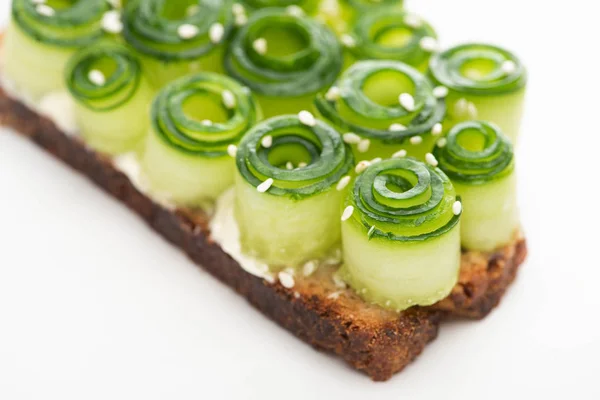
(484, 83)
(195, 123)
(288, 190)
(479, 160)
(367, 101)
(42, 37)
(175, 38)
(401, 234)
(111, 97)
(341, 15)
(284, 58)
(307, 6)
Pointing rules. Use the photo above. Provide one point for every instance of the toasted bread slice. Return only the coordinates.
(371, 339)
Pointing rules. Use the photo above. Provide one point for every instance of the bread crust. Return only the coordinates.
(371, 339)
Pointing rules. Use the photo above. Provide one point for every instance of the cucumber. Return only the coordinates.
(41, 38)
(307, 6)
(176, 38)
(401, 234)
(195, 121)
(104, 109)
(367, 103)
(287, 212)
(284, 58)
(341, 15)
(479, 160)
(485, 83)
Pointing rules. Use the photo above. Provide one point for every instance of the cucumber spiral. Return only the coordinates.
(484, 82)
(341, 15)
(289, 174)
(43, 36)
(389, 33)
(369, 101)
(284, 58)
(308, 6)
(177, 37)
(401, 234)
(195, 123)
(106, 82)
(479, 160)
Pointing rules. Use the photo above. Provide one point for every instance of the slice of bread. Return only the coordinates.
(316, 309)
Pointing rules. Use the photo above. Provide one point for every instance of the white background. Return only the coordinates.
(93, 305)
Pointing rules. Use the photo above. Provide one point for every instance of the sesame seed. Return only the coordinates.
(399, 154)
(289, 165)
(509, 67)
(413, 21)
(187, 31)
(361, 166)
(228, 99)
(347, 213)
(237, 9)
(428, 44)
(440, 92)
(309, 268)
(267, 141)
(302, 164)
(191, 10)
(240, 19)
(266, 185)
(338, 281)
(111, 22)
(296, 295)
(388, 303)
(416, 140)
(307, 118)
(348, 41)
(363, 290)
(45, 10)
(363, 145)
(351, 138)
(232, 150)
(260, 46)
(397, 127)
(97, 77)
(334, 295)
(216, 32)
(294, 10)
(375, 160)
(460, 107)
(431, 160)
(471, 110)
(457, 207)
(442, 142)
(206, 122)
(407, 101)
(437, 129)
(333, 93)
(343, 183)
(286, 279)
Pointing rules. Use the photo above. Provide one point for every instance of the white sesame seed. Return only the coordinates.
(206, 122)
(416, 140)
(302, 164)
(397, 127)
(228, 99)
(216, 32)
(191, 10)
(413, 21)
(431, 160)
(407, 101)
(296, 295)
(334, 295)
(338, 281)
(429, 44)
(457, 207)
(341, 185)
(289, 165)
(267, 141)
(240, 19)
(286, 279)
(363, 145)
(371, 230)
(361, 166)
(351, 138)
(232, 150)
(97, 77)
(260, 45)
(307, 118)
(309, 268)
(399, 154)
(363, 290)
(471, 110)
(348, 41)
(333, 93)
(509, 67)
(460, 107)
(237, 9)
(45, 10)
(440, 92)
(441, 142)
(266, 185)
(294, 10)
(111, 22)
(376, 160)
(347, 213)
(388, 303)
(437, 129)
(187, 31)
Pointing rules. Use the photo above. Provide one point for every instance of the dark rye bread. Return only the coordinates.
(373, 340)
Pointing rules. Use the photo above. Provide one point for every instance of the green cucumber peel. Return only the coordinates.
(307, 5)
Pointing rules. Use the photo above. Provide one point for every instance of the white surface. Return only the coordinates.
(93, 305)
